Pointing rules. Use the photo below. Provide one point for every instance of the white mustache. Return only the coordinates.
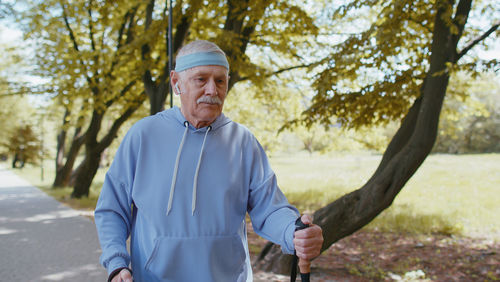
(209, 100)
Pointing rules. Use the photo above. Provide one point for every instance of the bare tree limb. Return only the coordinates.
(477, 40)
(283, 70)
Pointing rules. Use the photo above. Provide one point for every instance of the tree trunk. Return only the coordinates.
(86, 173)
(64, 168)
(405, 153)
(157, 99)
(157, 93)
(239, 26)
(158, 89)
(61, 142)
(63, 173)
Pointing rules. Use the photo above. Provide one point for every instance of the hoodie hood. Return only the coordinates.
(221, 120)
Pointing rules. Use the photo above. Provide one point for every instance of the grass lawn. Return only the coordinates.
(449, 194)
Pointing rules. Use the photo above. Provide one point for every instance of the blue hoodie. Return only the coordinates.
(182, 195)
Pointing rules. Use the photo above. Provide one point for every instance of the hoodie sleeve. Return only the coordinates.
(273, 218)
(114, 208)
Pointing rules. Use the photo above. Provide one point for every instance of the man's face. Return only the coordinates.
(203, 90)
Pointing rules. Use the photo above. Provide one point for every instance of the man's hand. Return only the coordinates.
(123, 276)
(308, 241)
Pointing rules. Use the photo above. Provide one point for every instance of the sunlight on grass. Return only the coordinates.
(463, 189)
(314, 181)
(449, 194)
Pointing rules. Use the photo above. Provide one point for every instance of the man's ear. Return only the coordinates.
(174, 82)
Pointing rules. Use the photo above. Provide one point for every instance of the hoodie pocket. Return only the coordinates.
(217, 258)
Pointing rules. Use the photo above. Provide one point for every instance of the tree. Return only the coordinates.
(406, 57)
(264, 110)
(16, 110)
(470, 118)
(24, 145)
(85, 50)
(236, 26)
(98, 52)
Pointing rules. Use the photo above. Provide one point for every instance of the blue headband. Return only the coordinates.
(201, 59)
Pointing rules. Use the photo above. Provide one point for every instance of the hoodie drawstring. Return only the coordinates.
(174, 177)
(176, 167)
(195, 181)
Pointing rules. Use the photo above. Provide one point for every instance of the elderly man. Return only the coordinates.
(182, 182)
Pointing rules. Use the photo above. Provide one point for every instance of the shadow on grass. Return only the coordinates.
(405, 219)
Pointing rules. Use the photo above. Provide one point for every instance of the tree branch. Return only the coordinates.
(145, 49)
(91, 27)
(70, 30)
(122, 92)
(121, 32)
(459, 21)
(108, 138)
(75, 44)
(282, 70)
(477, 40)
(92, 40)
(131, 25)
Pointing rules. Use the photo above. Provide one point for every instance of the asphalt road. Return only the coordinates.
(43, 240)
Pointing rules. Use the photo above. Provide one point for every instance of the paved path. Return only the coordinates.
(43, 240)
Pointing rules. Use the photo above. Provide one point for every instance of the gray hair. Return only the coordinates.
(198, 46)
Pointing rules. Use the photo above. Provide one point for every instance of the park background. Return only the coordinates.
(58, 69)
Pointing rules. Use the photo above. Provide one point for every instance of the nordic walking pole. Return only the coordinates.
(304, 265)
(305, 270)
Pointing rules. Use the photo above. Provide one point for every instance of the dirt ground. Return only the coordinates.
(376, 256)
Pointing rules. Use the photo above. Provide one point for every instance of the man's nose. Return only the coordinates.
(211, 88)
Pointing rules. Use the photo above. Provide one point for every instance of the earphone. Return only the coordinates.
(177, 88)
